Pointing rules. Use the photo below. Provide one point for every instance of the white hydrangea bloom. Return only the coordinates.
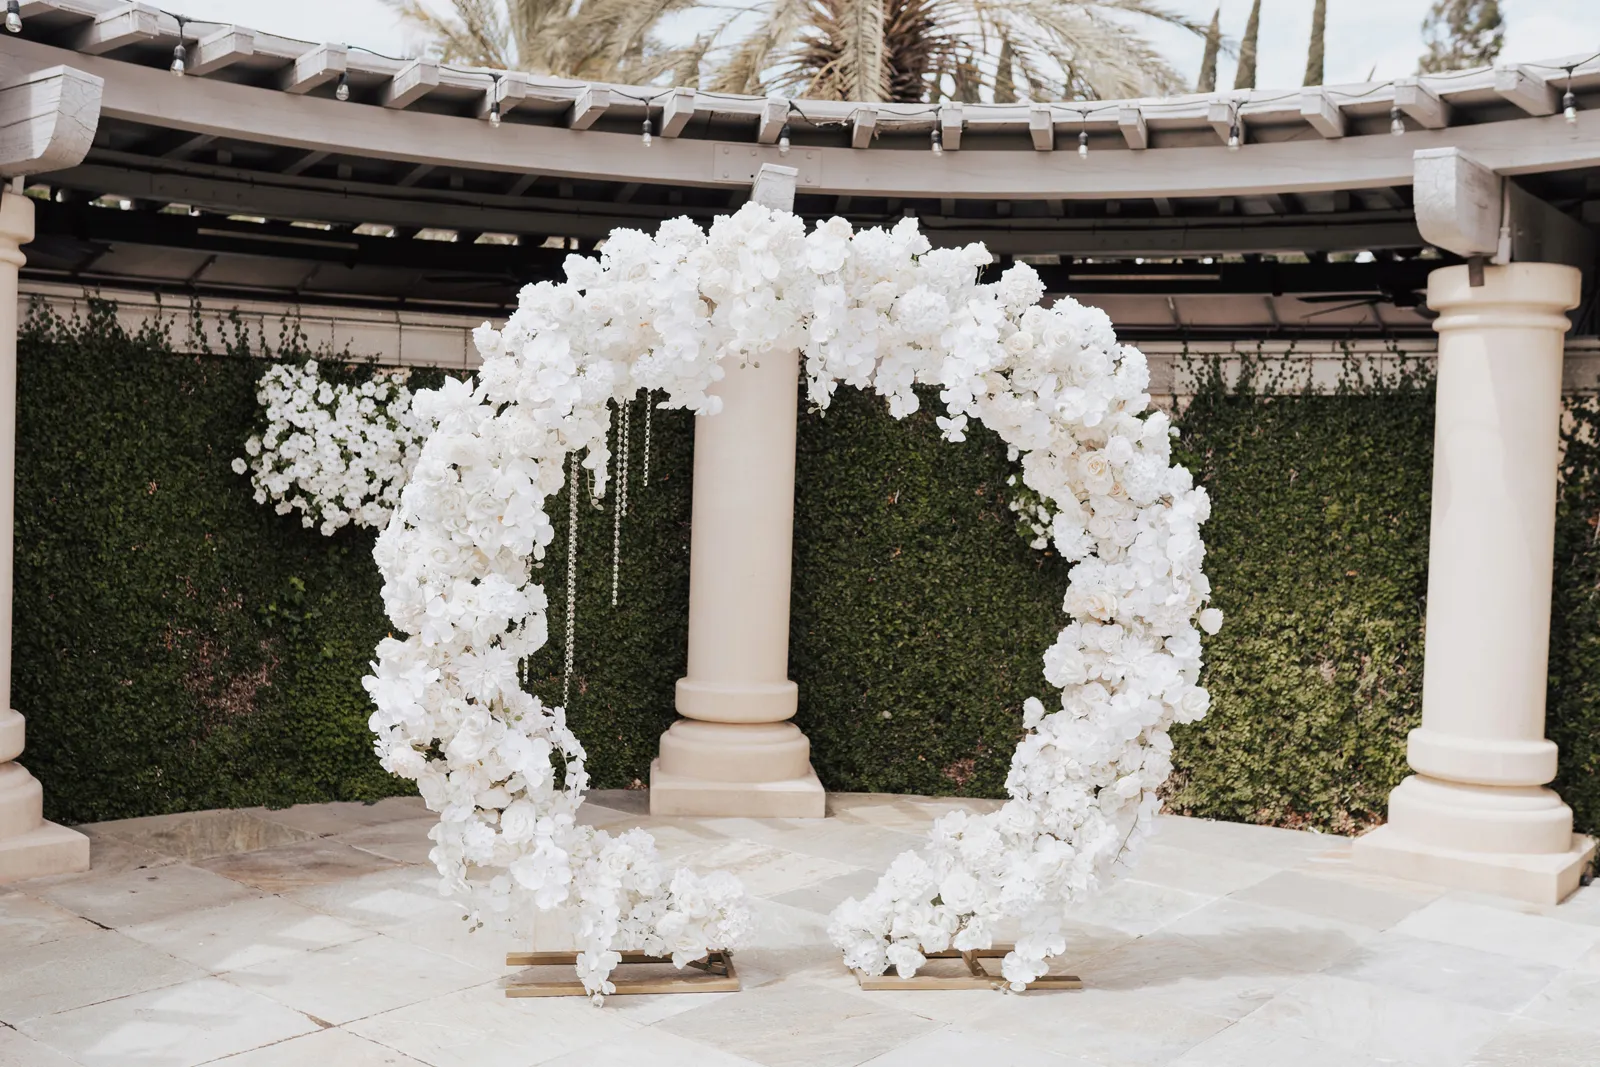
(338, 453)
(880, 310)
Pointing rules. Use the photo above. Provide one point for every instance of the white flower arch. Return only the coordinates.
(876, 309)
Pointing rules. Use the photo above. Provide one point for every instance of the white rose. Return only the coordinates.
(1019, 343)
(1095, 470)
(1192, 706)
(1098, 604)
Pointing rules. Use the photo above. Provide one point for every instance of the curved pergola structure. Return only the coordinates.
(257, 130)
(1462, 203)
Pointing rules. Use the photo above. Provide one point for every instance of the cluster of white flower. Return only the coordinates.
(876, 309)
(338, 453)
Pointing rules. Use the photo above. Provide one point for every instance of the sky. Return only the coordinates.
(1380, 37)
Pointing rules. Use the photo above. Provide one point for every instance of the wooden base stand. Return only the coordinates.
(713, 974)
(978, 976)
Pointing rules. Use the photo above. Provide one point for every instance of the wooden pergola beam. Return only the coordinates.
(1224, 118)
(1321, 113)
(411, 83)
(774, 114)
(677, 112)
(592, 103)
(1530, 91)
(1130, 120)
(316, 67)
(336, 202)
(221, 49)
(1418, 100)
(125, 25)
(147, 94)
(951, 123)
(49, 118)
(863, 126)
(1042, 128)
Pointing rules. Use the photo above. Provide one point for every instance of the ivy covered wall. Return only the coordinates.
(179, 646)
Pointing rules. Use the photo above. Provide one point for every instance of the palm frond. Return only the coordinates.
(748, 61)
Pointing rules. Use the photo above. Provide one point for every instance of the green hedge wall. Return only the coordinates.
(179, 646)
(176, 645)
(1317, 552)
(1573, 708)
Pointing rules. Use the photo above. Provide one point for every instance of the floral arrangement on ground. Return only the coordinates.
(878, 310)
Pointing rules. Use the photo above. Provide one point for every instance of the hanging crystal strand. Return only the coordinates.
(573, 480)
(649, 407)
(627, 453)
(619, 502)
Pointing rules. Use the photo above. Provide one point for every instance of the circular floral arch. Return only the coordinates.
(878, 310)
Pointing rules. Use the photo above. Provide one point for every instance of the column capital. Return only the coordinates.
(1530, 288)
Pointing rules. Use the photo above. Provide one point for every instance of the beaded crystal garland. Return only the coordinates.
(878, 310)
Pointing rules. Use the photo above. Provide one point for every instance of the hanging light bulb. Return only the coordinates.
(341, 92)
(649, 128)
(179, 54)
(494, 113)
(1397, 125)
(783, 140)
(1233, 136)
(1569, 107)
(937, 137)
(14, 16)
(1083, 144)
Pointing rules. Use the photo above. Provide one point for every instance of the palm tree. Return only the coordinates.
(1245, 76)
(1207, 82)
(911, 50)
(1314, 51)
(600, 40)
(905, 50)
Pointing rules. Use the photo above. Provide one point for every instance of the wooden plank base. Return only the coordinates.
(713, 974)
(977, 976)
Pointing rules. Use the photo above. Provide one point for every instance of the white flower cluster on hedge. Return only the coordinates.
(338, 453)
(875, 309)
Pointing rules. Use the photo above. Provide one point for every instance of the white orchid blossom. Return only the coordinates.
(874, 309)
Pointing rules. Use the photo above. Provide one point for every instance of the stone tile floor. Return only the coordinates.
(313, 936)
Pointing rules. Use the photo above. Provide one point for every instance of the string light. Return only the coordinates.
(783, 140)
(649, 128)
(14, 16)
(1569, 102)
(179, 53)
(1233, 136)
(341, 92)
(1083, 144)
(937, 137)
(494, 113)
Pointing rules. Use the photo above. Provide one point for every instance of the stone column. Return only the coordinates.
(29, 846)
(735, 752)
(1476, 814)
